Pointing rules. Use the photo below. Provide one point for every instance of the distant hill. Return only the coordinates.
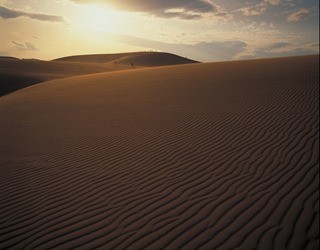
(18, 73)
(146, 59)
(8, 58)
(154, 59)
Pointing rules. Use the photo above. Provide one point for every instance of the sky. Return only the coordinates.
(203, 30)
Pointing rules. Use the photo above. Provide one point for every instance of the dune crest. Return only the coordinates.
(17, 73)
(202, 156)
(146, 59)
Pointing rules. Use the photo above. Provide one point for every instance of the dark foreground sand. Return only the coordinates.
(205, 156)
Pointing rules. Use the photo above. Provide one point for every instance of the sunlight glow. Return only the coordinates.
(99, 20)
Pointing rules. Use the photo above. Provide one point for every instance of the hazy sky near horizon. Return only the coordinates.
(205, 30)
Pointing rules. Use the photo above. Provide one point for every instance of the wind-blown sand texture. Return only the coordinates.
(203, 156)
(16, 74)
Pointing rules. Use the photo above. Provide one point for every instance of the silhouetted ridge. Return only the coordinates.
(8, 58)
(155, 59)
(138, 58)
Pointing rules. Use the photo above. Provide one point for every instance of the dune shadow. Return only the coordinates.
(10, 83)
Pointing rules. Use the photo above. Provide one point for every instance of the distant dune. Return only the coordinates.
(16, 74)
(202, 156)
(95, 58)
(146, 59)
(8, 58)
(154, 59)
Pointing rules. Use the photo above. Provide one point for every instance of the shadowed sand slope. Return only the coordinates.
(204, 156)
(16, 74)
(147, 59)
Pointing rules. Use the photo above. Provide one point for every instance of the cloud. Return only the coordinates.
(183, 9)
(25, 46)
(6, 13)
(315, 46)
(283, 49)
(274, 2)
(272, 49)
(254, 10)
(277, 45)
(202, 51)
(258, 9)
(178, 14)
(299, 15)
(221, 50)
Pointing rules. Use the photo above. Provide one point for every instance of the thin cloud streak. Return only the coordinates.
(25, 46)
(282, 49)
(258, 9)
(183, 9)
(299, 15)
(7, 13)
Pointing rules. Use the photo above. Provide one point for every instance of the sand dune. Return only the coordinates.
(8, 57)
(16, 74)
(154, 59)
(97, 58)
(203, 156)
(146, 59)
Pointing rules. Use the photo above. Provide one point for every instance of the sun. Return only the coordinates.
(96, 19)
